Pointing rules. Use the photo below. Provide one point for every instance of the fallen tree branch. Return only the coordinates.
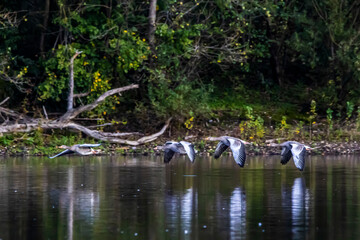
(103, 136)
(15, 114)
(112, 137)
(64, 122)
(72, 113)
(101, 125)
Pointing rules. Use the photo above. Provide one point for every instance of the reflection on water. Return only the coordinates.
(141, 198)
(300, 198)
(237, 214)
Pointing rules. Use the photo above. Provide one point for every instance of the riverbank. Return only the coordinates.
(44, 144)
(320, 148)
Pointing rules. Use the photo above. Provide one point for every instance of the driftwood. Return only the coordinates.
(25, 123)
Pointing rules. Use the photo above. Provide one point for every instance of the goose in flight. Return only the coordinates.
(182, 147)
(236, 145)
(292, 149)
(82, 149)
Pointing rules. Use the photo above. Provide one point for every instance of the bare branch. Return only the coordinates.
(101, 125)
(156, 135)
(108, 137)
(70, 114)
(46, 116)
(64, 122)
(15, 114)
(79, 95)
(4, 101)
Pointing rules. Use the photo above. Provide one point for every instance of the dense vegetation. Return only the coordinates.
(262, 62)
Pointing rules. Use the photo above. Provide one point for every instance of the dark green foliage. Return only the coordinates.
(211, 58)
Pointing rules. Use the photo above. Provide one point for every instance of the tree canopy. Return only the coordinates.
(204, 58)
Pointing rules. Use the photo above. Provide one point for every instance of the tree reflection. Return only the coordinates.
(123, 198)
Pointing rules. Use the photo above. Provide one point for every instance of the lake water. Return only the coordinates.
(126, 197)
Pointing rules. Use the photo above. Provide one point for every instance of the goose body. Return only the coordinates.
(292, 149)
(236, 145)
(182, 147)
(81, 149)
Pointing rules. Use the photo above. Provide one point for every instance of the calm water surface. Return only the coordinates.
(141, 198)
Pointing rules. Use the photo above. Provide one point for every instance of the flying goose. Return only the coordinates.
(82, 149)
(182, 147)
(236, 145)
(292, 149)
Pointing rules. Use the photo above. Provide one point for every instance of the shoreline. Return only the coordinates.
(321, 148)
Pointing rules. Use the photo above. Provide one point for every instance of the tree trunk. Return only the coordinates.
(71, 82)
(152, 25)
(45, 24)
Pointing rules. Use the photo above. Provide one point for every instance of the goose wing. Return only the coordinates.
(298, 151)
(238, 150)
(87, 145)
(168, 154)
(189, 149)
(221, 147)
(286, 154)
(67, 151)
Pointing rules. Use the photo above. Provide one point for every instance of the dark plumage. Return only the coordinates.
(292, 149)
(82, 149)
(236, 145)
(182, 147)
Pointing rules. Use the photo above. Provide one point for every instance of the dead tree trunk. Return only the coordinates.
(71, 82)
(152, 25)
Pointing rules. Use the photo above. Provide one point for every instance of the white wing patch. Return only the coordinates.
(238, 150)
(298, 152)
(189, 148)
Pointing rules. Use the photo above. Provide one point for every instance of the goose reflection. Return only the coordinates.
(181, 209)
(76, 203)
(237, 213)
(231, 214)
(300, 199)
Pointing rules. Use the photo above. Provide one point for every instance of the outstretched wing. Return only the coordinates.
(168, 154)
(238, 150)
(221, 147)
(298, 151)
(285, 155)
(89, 145)
(67, 151)
(189, 149)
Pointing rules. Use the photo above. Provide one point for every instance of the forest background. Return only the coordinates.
(253, 69)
